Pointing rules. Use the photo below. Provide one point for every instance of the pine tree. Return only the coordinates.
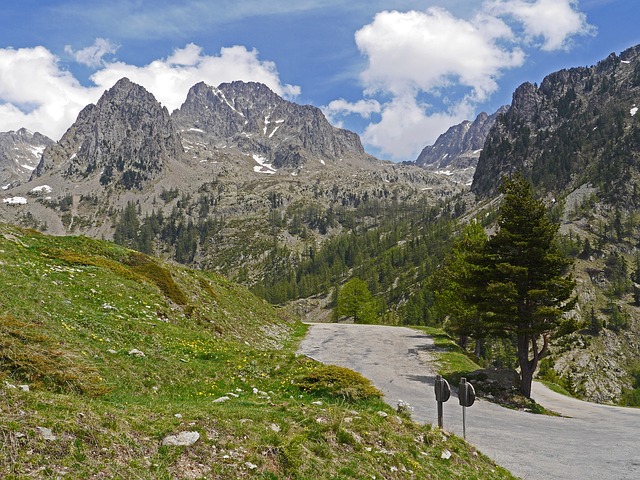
(453, 290)
(526, 289)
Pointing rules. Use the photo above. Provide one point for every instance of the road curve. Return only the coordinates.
(589, 442)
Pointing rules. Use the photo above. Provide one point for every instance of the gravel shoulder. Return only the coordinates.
(587, 441)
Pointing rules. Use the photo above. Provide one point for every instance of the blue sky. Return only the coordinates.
(398, 73)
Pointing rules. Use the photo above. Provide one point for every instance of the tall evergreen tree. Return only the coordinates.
(453, 291)
(527, 288)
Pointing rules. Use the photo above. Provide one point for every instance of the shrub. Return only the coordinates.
(337, 381)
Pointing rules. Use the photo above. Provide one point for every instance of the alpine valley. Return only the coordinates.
(265, 191)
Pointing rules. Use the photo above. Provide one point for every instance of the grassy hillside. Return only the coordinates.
(104, 352)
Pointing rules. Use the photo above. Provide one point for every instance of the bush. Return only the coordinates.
(338, 382)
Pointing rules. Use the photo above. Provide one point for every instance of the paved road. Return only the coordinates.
(591, 442)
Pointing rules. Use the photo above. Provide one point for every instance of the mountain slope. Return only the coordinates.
(110, 357)
(577, 138)
(576, 127)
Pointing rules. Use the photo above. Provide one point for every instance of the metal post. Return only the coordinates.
(440, 415)
(464, 423)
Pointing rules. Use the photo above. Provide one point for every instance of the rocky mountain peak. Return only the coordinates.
(252, 118)
(20, 153)
(456, 151)
(556, 133)
(126, 138)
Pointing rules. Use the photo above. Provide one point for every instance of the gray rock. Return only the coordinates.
(46, 433)
(182, 439)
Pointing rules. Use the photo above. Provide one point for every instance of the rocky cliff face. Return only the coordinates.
(125, 139)
(20, 153)
(252, 118)
(456, 151)
(561, 132)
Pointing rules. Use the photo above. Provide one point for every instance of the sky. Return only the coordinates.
(398, 73)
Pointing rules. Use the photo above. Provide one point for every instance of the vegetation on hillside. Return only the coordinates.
(105, 352)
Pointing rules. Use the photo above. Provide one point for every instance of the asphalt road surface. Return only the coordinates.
(589, 441)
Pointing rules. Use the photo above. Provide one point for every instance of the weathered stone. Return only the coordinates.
(182, 439)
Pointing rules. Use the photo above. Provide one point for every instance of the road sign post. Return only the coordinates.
(443, 392)
(466, 397)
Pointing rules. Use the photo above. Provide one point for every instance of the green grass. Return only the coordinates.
(72, 309)
(453, 363)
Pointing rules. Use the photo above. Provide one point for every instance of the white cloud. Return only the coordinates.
(37, 93)
(414, 53)
(556, 21)
(92, 56)
(430, 50)
(340, 107)
(407, 126)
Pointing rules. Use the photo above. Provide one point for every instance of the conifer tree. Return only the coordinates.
(526, 286)
(453, 291)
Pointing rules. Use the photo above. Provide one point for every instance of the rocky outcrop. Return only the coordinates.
(20, 153)
(125, 139)
(559, 132)
(254, 119)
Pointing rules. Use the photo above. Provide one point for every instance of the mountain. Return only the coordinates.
(234, 174)
(126, 139)
(20, 154)
(580, 125)
(456, 151)
(252, 118)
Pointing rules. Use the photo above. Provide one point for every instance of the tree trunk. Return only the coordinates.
(526, 344)
(527, 366)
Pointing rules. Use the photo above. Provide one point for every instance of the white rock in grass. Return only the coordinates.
(446, 455)
(46, 433)
(182, 439)
(136, 352)
(221, 399)
(383, 414)
(251, 466)
(24, 388)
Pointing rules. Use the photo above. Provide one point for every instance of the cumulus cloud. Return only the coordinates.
(36, 92)
(92, 56)
(435, 54)
(406, 126)
(556, 21)
(410, 53)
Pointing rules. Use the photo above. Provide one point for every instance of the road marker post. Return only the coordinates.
(466, 397)
(443, 392)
